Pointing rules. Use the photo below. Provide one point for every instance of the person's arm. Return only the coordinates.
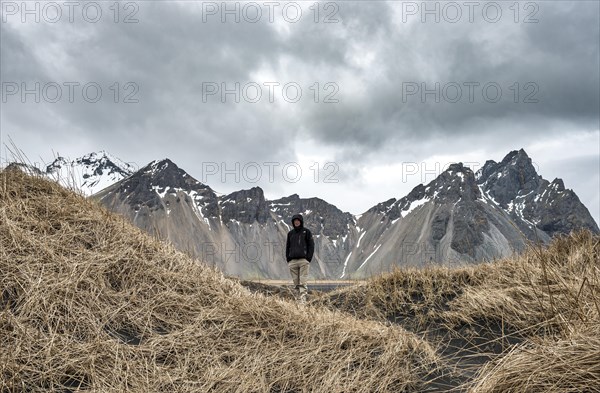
(287, 248)
(310, 246)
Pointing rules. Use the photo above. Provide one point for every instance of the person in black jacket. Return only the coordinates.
(299, 249)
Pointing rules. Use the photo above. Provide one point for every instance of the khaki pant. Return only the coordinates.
(299, 272)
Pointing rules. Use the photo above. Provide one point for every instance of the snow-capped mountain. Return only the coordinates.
(460, 217)
(531, 201)
(241, 233)
(88, 174)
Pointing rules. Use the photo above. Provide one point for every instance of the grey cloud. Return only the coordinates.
(564, 70)
(171, 52)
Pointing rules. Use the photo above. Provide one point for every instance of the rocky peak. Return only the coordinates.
(456, 173)
(292, 200)
(153, 182)
(165, 176)
(384, 207)
(245, 206)
(93, 164)
(88, 174)
(284, 208)
(319, 216)
(103, 161)
(558, 185)
(514, 176)
(455, 183)
(58, 163)
(531, 201)
(559, 210)
(515, 159)
(326, 218)
(484, 173)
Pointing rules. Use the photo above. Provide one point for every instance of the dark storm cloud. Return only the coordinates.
(172, 51)
(369, 51)
(559, 55)
(168, 54)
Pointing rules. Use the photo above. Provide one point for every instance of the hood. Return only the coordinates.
(299, 217)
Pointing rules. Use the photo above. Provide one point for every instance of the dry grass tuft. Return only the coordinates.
(90, 303)
(531, 320)
(542, 292)
(549, 290)
(566, 365)
(560, 310)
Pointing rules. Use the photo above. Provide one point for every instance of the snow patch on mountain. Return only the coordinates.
(90, 173)
(369, 257)
(413, 205)
(157, 190)
(346, 264)
(359, 239)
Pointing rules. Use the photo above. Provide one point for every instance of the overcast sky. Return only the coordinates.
(367, 99)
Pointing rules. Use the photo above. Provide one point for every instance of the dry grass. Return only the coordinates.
(409, 296)
(91, 303)
(549, 290)
(560, 311)
(565, 365)
(531, 320)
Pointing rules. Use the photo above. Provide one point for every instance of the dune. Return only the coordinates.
(529, 323)
(91, 303)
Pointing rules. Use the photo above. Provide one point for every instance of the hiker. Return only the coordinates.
(299, 249)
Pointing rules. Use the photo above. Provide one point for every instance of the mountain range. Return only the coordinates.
(87, 174)
(461, 217)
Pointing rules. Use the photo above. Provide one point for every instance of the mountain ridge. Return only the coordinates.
(460, 217)
(87, 174)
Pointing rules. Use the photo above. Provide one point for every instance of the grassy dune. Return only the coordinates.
(526, 324)
(90, 303)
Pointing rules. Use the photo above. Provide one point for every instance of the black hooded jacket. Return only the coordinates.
(300, 243)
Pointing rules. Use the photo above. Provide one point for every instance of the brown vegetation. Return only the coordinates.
(531, 321)
(90, 303)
